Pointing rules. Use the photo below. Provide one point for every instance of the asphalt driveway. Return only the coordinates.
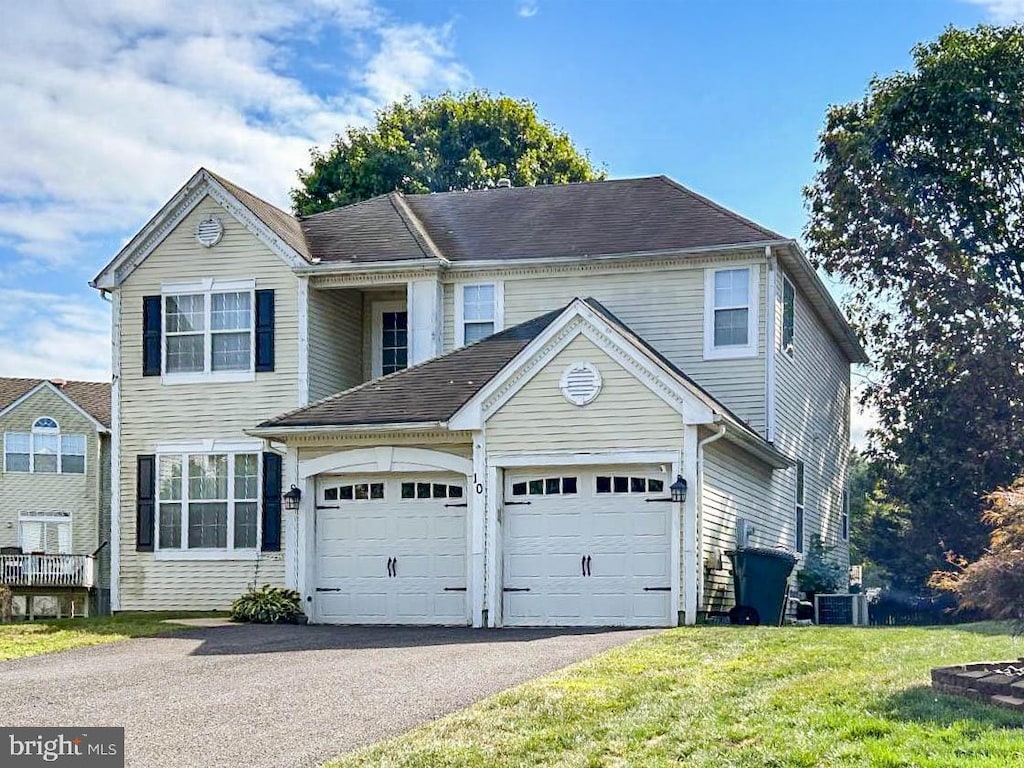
(279, 695)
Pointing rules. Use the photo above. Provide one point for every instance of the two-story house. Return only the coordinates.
(55, 492)
(484, 401)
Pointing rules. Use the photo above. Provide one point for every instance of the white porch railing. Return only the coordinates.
(47, 570)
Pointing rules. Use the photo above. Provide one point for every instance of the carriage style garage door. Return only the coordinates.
(391, 550)
(587, 547)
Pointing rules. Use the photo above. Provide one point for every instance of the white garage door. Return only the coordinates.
(586, 547)
(391, 550)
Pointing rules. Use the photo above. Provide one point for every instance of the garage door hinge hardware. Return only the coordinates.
(464, 504)
(516, 589)
(454, 589)
(518, 503)
(668, 498)
(334, 507)
(657, 589)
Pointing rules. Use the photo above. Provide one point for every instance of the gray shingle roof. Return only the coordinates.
(585, 219)
(285, 225)
(93, 397)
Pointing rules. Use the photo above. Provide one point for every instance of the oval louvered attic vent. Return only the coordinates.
(581, 383)
(209, 231)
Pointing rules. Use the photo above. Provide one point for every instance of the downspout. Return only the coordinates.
(771, 296)
(718, 435)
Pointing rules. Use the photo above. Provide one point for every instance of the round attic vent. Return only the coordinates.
(580, 384)
(209, 231)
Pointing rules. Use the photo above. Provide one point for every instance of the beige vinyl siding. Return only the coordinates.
(662, 302)
(335, 341)
(812, 413)
(734, 486)
(625, 416)
(152, 412)
(39, 493)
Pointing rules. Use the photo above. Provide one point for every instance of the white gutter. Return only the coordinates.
(265, 432)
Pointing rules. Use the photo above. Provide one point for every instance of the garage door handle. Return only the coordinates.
(657, 589)
(454, 589)
(392, 566)
(518, 503)
(463, 504)
(516, 589)
(328, 589)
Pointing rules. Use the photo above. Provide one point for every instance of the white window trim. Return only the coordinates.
(711, 352)
(219, 553)
(377, 310)
(787, 348)
(206, 288)
(800, 508)
(28, 517)
(460, 308)
(60, 452)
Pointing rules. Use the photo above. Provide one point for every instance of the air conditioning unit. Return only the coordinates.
(841, 609)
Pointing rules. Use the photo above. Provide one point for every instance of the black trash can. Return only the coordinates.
(760, 577)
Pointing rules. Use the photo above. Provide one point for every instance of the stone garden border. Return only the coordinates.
(985, 682)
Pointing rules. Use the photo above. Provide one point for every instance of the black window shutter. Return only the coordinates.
(264, 331)
(145, 499)
(271, 502)
(151, 335)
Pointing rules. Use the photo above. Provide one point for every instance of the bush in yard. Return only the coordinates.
(268, 605)
(994, 583)
(821, 574)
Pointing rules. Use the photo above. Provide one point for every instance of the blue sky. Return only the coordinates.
(110, 106)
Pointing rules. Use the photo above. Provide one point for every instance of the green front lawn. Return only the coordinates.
(21, 639)
(724, 696)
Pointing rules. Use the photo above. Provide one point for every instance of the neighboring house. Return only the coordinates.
(55, 489)
(571, 351)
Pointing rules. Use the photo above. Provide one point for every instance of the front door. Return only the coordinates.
(390, 338)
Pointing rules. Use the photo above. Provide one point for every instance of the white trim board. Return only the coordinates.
(384, 459)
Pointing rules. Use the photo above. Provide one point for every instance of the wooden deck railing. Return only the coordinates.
(47, 570)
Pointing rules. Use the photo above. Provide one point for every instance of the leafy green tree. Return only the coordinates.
(918, 205)
(450, 142)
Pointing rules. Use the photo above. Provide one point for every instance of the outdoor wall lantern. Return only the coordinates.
(678, 489)
(291, 498)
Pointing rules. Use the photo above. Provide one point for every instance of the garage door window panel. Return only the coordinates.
(410, 490)
(624, 484)
(545, 486)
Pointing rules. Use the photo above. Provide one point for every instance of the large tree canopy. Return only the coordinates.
(450, 142)
(919, 207)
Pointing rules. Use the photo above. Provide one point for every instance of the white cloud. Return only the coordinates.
(1002, 11)
(527, 9)
(110, 106)
(57, 336)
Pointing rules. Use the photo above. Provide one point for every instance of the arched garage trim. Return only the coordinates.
(385, 459)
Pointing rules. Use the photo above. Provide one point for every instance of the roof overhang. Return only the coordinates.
(283, 433)
(201, 185)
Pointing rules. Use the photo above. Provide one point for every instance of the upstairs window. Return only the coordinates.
(788, 315)
(478, 310)
(44, 450)
(208, 332)
(730, 312)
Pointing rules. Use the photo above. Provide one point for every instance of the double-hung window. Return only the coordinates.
(730, 312)
(208, 330)
(44, 450)
(208, 501)
(478, 311)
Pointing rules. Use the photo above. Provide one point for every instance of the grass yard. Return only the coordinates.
(736, 696)
(31, 638)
